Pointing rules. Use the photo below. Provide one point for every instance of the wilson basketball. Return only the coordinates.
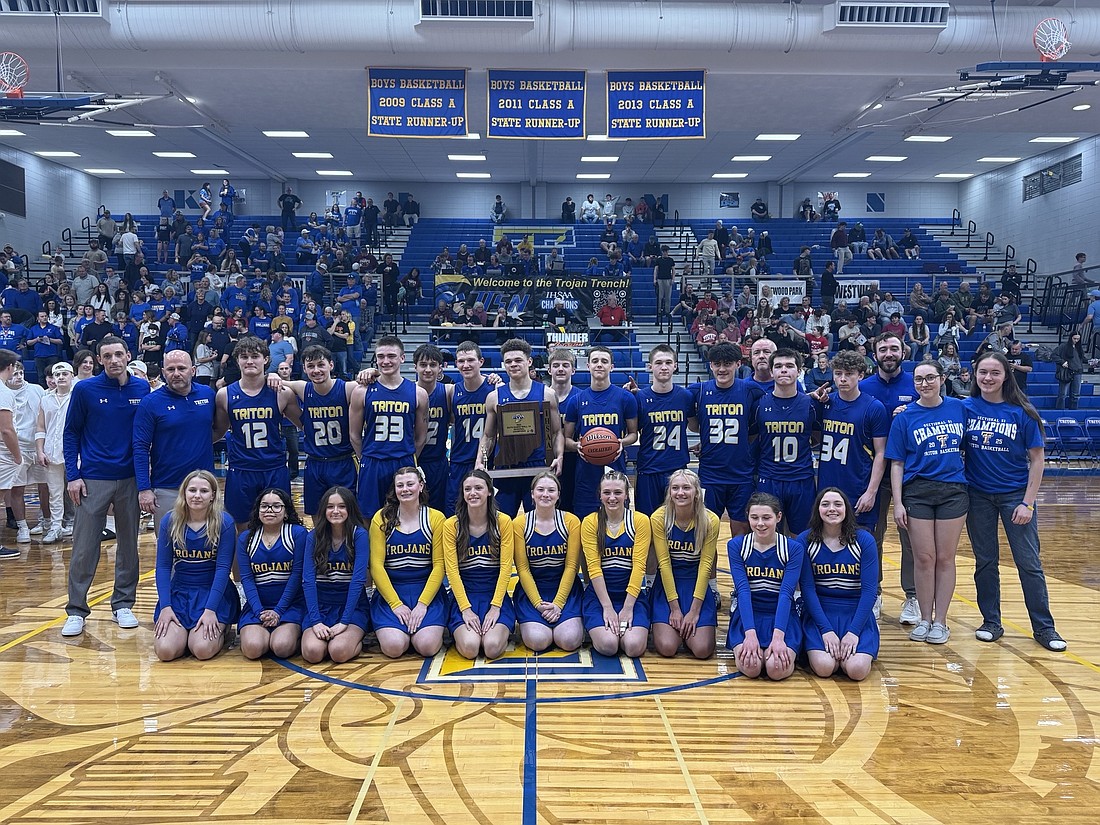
(599, 446)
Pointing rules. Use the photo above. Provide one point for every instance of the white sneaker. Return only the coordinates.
(910, 611)
(40, 528)
(877, 609)
(23, 536)
(125, 618)
(53, 536)
(66, 531)
(74, 626)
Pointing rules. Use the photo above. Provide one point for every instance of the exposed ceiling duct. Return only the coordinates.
(557, 27)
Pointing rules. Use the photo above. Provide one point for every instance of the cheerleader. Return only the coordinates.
(406, 563)
(334, 580)
(765, 568)
(477, 555)
(269, 558)
(548, 549)
(196, 601)
(839, 587)
(685, 540)
(616, 545)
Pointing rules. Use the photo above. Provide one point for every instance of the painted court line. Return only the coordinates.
(695, 800)
(358, 806)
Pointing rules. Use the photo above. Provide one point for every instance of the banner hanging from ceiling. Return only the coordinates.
(416, 103)
(656, 105)
(548, 105)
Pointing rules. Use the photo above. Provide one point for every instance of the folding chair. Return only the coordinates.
(1052, 444)
(1092, 429)
(1074, 439)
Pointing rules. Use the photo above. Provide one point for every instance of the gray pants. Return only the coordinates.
(885, 516)
(664, 298)
(166, 500)
(91, 518)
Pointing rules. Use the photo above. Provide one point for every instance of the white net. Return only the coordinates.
(13, 72)
(1051, 38)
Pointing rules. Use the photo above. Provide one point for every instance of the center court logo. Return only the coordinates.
(519, 664)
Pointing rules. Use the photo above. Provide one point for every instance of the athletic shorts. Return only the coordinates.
(927, 499)
(728, 499)
(796, 499)
(242, 487)
(320, 475)
(9, 472)
(376, 481)
(649, 491)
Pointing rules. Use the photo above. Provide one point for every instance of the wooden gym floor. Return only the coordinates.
(95, 730)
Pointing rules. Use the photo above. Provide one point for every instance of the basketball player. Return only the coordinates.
(601, 405)
(466, 407)
(392, 415)
(786, 420)
(331, 443)
(724, 415)
(516, 356)
(894, 388)
(663, 413)
(563, 363)
(428, 360)
(252, 412)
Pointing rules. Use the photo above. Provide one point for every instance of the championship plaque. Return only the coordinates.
(520, 432)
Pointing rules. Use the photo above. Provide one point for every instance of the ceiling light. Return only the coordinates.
(192, 100)
(886, 158)
(852, 175)
(130, 133)
(104, 171)
(594, 176)
(335, 173)
(476, 175)
(750, 158)
(174, 154)
(927, 139)
(57, 154)
(468, 136)
(12, 133)
(465, 157)
(209, 172)
(600, 159)
(603, 137)
(997, 160)
(730, 175)
(317, 155)
(1052, 140)
(1084, 107)
(284, 134)
(954, 175)
(877, 106)
(778, 137)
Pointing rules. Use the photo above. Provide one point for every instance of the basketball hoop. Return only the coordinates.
(1051, 39)
(14, 74)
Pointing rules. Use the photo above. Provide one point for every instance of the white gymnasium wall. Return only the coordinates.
(57, 197)
(1050, 228)
(140, 195)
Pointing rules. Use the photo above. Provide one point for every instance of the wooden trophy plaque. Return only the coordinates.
(521, 430)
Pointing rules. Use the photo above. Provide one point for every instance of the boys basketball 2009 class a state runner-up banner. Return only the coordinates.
(416, 103)
(536, 104)
(656, 104)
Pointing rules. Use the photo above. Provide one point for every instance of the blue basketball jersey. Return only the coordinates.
(727, 418)
(537, 393)
(848, 430)
(389, 421)
(469, 420)
(255, 436)
(611, 408)
(439, 419)
(662, 422)
(325, 419)
(786, 426)
(409, 555)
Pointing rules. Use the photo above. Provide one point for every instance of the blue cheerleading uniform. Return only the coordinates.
(479, 578)
(839, 588)
(255, 447)
(765, 581)
(195, 577)
(407, 568)
(547, 565)
(848, 433)
(468, 412)
(272, 576)
(786, 466)
(330, 461)
(727, 460)
(433, 455)
(612, 408)
(338, 596)
(512, 491)
(684, 569)
(663, 447)
(389, 441)
(621, 564)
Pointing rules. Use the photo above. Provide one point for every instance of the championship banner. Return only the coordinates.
(656, 105)
(851, 291)
(792, 288)
(548, 105)
(528, 300)
(418, 103)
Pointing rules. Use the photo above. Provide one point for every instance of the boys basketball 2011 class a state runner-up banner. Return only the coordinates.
(656, 104)
(536, 104)
(416, 103)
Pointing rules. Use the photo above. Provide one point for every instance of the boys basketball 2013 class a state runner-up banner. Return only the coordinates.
(416, 103)
(656, 104)
(536, 104)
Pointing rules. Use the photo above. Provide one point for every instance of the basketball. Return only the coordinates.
(599, 446)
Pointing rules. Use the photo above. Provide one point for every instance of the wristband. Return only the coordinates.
(1030, 507)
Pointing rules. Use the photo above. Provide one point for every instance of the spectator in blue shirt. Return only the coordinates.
(166, 205)
(350, 295)
(236, 297)
(45, 340)
(315, 283)
(176, 337)
(305, 249)
(127, 330)
(260, 324)
(12, 336)
(21, 296)
(281, 351)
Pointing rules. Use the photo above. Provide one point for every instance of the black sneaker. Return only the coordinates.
(8, 553)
